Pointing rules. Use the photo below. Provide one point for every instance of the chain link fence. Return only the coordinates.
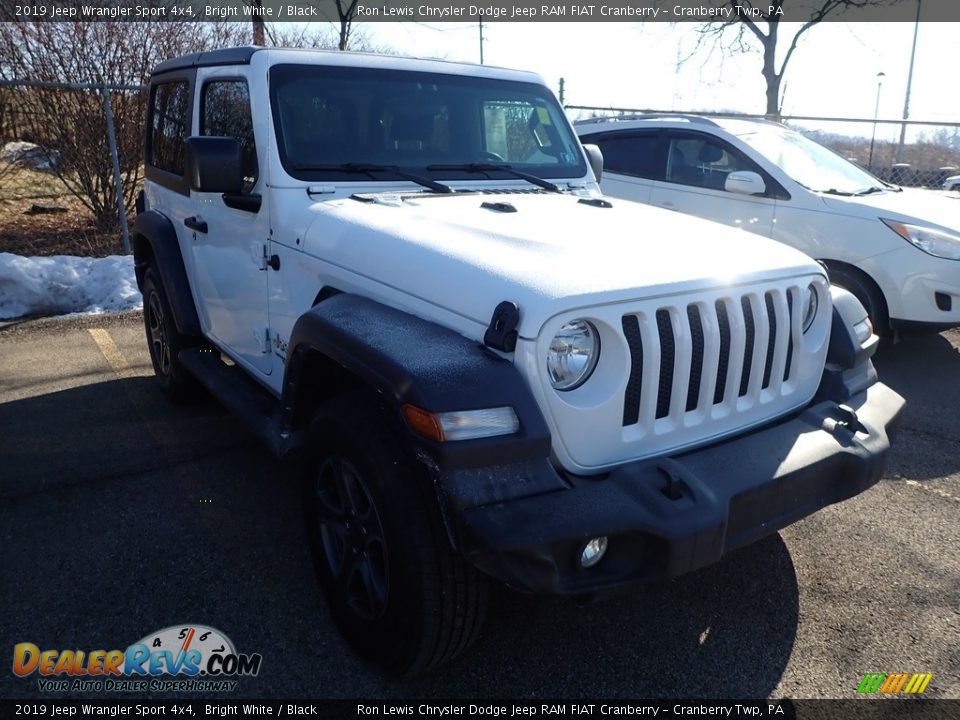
(70, 166)
(911, 154)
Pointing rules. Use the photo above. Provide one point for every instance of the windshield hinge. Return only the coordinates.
(501, 334)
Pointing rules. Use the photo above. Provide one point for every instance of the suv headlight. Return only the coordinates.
(933, 242)
(573, 355)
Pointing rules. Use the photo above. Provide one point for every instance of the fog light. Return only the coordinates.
(593, 552)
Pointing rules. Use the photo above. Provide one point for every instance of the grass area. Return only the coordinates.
(72, 232)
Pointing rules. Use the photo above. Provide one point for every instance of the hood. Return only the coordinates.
(548, 253)
(922, 207)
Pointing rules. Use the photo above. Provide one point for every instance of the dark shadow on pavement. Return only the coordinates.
(926, 371)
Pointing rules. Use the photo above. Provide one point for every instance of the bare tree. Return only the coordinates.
(259, 35)
(322, 38)
(70, 123)
(743, 28)
(346, 11)
(302, 36)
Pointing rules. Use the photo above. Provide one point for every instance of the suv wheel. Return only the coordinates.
(397, 591)
(165, 341)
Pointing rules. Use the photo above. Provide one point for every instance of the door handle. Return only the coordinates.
(195, 223)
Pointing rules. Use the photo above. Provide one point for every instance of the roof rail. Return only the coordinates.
(699, 119)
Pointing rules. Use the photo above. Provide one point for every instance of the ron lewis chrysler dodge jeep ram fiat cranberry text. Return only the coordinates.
(403, 272)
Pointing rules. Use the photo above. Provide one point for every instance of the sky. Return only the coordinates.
(833, 72)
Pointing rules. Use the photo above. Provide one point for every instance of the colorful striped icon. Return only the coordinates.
(894, 683)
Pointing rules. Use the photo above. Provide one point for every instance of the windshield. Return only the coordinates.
(331, 120)
(809, 163)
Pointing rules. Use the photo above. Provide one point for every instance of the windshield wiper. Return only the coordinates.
(870, 190)
(834, 191)
(369, 168)
(490, 167)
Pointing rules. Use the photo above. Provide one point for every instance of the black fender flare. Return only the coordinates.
(154, 236)
(408, 360)
(849, 366)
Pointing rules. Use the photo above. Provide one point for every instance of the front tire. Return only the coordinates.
(866, 291)
(397, 591)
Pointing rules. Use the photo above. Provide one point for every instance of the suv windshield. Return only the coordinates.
(329, 119)
(810, 164)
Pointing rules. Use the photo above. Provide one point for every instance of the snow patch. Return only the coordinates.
(64, 284)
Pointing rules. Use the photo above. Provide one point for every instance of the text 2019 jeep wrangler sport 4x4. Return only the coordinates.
(404, 271)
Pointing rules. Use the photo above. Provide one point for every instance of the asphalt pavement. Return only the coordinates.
(121, 514)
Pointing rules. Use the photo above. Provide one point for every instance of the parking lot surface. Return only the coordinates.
(121, 514)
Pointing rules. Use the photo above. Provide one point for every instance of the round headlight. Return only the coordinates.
(573, 355)
(810, 305)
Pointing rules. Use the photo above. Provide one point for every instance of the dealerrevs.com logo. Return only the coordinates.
(177, 658)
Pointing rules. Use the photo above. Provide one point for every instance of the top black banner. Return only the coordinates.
(475, 10)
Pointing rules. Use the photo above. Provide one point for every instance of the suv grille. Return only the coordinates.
(699, 355)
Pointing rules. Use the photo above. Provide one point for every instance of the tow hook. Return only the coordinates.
(671, 471)
(849, 420)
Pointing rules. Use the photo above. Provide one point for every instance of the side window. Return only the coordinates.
(169, 126)
(225, 112)
(523, 132)
(635, 155)
(703, 162)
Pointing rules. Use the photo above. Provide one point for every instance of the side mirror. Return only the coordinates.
(214, 165)
(595, 157)
(745, 182)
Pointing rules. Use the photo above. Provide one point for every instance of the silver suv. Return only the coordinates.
(896, 250)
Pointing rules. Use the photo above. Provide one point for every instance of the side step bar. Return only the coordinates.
(257, 408)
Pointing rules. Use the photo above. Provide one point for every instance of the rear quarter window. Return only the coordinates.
(169, 126)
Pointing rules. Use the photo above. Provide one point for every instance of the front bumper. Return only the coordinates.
(666, 517)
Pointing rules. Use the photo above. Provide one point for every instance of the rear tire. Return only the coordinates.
(165, 341)
(396, 589)
(866, 291)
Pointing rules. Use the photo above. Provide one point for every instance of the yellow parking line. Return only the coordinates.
(160, 432)
(110, 351)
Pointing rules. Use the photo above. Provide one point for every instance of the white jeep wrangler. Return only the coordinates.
(404, 272)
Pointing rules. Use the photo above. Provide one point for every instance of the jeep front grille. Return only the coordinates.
(689, 357)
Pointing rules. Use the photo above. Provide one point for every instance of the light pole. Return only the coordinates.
(906, 99)
(876, 110)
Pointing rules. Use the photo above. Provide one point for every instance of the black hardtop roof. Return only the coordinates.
(226, 56)
(244, 55)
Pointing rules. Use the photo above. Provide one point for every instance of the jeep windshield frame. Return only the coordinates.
(433, 125)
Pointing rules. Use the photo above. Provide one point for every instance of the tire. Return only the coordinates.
(397, 592)
(867, 292)
(165, 342)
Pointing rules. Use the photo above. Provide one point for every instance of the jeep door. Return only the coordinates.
(229, 252)
(697, 167)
